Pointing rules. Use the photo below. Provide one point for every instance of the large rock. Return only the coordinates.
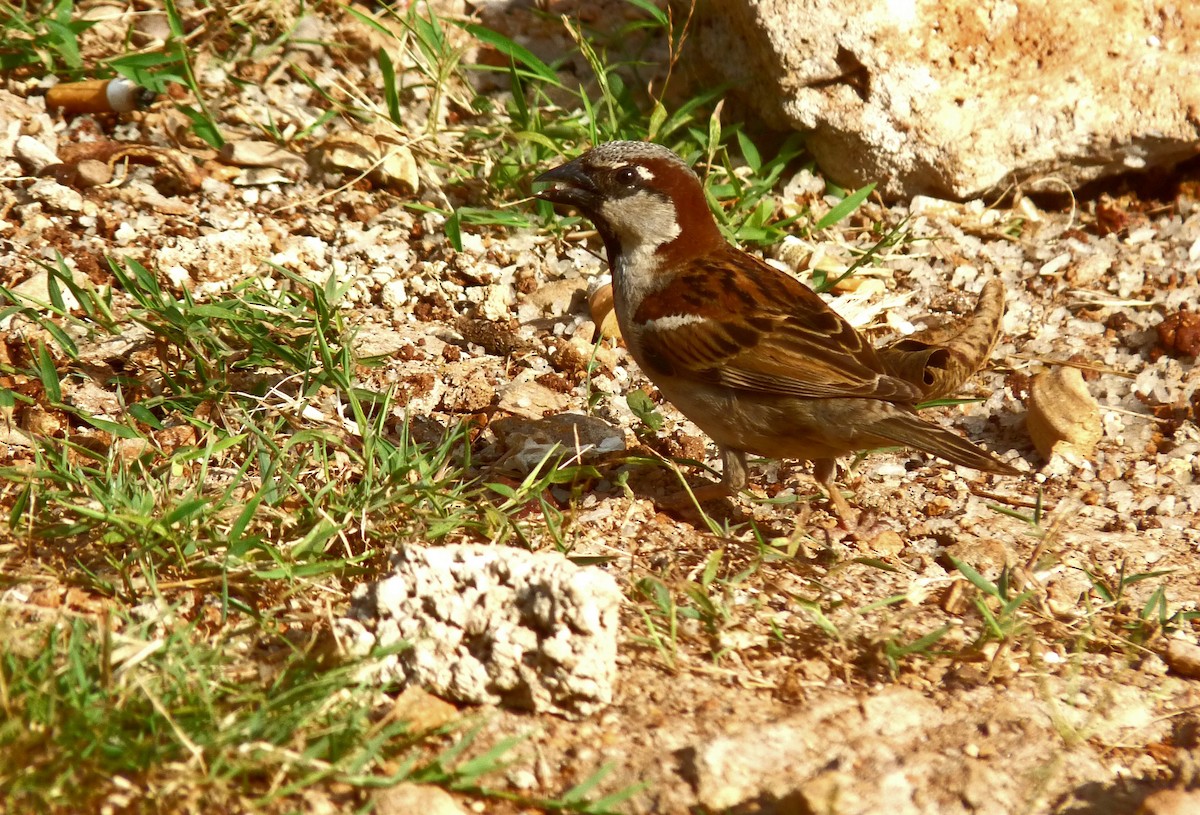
(491, 625)
(958, 98)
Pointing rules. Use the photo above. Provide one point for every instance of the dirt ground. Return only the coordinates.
(795, 679)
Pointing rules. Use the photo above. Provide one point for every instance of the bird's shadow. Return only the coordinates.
(662, 482)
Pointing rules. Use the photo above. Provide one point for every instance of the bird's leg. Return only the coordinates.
(825, 473)
(734, 474)
(862, 526)
(734, 477)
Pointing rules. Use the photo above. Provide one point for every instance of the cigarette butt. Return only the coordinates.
(98, 96)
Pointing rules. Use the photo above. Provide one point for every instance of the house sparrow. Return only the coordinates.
(753, 357)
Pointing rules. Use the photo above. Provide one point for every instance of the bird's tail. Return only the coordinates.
(912, 431)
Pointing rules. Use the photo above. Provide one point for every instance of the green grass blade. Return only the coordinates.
(48, 374)
(844, 207)
(517, 53)
(979, 581)
(391, 93)
(749, 151)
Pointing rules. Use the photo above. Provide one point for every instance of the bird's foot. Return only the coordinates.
(863, 527)
(689, 498)
(859, 526)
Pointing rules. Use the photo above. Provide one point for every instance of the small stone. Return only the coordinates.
(985, 555)
(556, 297)
(422, 711)
(522, 779)
(56, 196)
(347, 152)
(532, 400)
(1055, 265)
(1063, 416)
(152, 27)
(389, 165)
(398, 169)
(829, 793)
(577, 438)
(34, 155)
(260, 154)
(410, 799)
(1153, 665)
(92, 172)
(394, 294)
(468, 390)
(36, 289)
(1183, 657)
(887, 543)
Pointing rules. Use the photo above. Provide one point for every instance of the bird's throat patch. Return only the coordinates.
(642, 222)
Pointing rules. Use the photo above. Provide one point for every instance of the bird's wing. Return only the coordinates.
(733, 320)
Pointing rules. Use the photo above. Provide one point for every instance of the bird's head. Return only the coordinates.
(645, 201)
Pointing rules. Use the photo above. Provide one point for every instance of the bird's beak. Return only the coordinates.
(570, 185)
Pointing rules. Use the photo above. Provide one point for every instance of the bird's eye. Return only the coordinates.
(627, 176)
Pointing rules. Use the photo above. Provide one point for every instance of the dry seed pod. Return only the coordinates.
(600, 306)
(939, 360)
(98, 96)
(1063, 416)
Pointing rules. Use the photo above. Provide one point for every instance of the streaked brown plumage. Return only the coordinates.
(755, 358)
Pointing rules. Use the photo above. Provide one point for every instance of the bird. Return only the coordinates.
(753, 357)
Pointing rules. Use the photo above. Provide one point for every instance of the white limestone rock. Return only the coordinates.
(960, 99)
(492, 625)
